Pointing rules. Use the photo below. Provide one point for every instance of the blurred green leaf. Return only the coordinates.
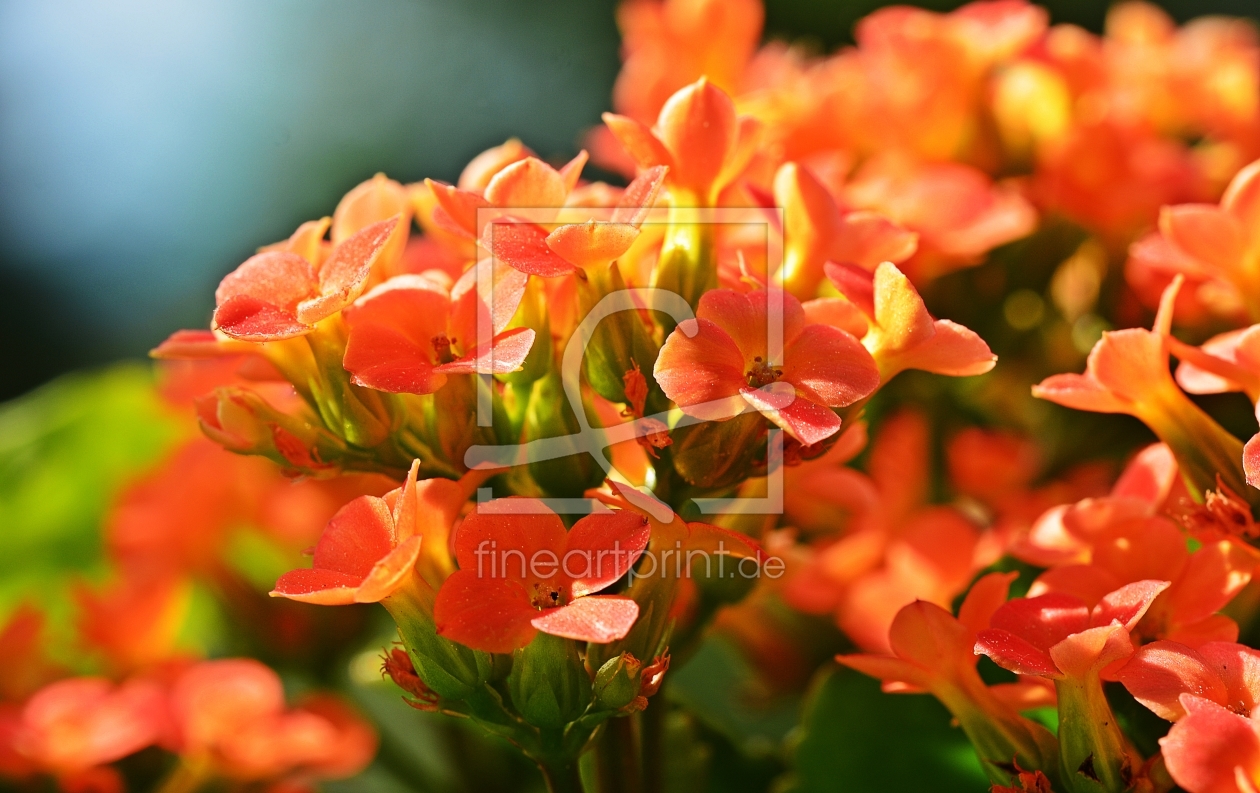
(856, 738)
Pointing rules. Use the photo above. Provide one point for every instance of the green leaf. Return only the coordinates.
(856, 738)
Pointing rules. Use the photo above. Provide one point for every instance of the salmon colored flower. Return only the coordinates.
(229, 716)
(410, 333)
(932, 651)
(1213, 247)
(520, 572)
(1211, 693)
(697, 136)
(546, 249)
(666, 45)
(712, 364)
(1128, 372)
(1226, 673)
(1060, 638)
(901, 333)
(75, 725)
(280, 294)
(372, 545)
(817, 231)
(957, 211)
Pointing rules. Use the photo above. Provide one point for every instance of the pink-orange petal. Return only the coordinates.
(699, 364)
(1205, 751)
(806, 421)
(1160, 672)
(830, 365)
(598, 618)
(1080, 392)
(357, 537)
(639, 196)
(867, 238)
(1015, 653)
(591, 243)
(344, 274)
(638, 140)
(504, 354)
(278, 278)
(250, 319)
(390, 572)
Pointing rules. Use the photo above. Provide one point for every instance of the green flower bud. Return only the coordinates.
(719, 454)
(548, 684)
(550, 416)
(617, 682)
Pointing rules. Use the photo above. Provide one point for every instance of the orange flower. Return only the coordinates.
(697, 136)
(668, 44)
(1212, 246)
(901, 334)
(933, 651)
(281, 294)
(711, 365)
(1128, 372)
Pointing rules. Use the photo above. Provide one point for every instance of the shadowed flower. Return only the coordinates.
(520, 572)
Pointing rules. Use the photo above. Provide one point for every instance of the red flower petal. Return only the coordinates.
(854, 283)
(598, 618)
(357, 537)
(1127, 604)
(460, 206)
(390, 572)
(389, 346)
(321, 587)
(700, 364)
(251, 319)
(524, 246)
(1206, 232)
(1159, 673)
(1014, 653)
(278, 278)
(1042, 621)
(868, 238)
(699, 128)
(1080, 392)
(487, 614)
(528, 184)
(509, 544)
(602, 547)
(746, 318)
(639, 196)
(804, 420)
(505, 354)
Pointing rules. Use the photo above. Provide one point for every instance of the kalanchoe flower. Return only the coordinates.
(816, 231)
(410, 333)
(710, 364)
(73, 726)
(538, 247)
(1128, 372)
(520, 572)
(1059, 637)
(901, 333)
(372, 546)
(932, 651)
(1212, 247)
(279, 294)
(697, 136)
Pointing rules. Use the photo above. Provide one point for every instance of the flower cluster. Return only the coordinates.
(565, 432)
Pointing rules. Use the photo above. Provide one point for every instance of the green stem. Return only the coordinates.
(652, 727)
(561, 775)
(1092, 750)
(617, 758)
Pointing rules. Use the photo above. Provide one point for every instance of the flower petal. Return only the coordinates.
(1080, 392)
(699, 128)
(1205, 750)
(358, 536)
(700, 365)
(591, 243)
(320, 587)
(1014, 653)
(344, 274)
(868, 238)
(251, 319)
(497, 545)
(598, 618)
(487, 614)
(639, 196)
(829, 365)
(391, 335)
(1160, 672)
(602, 547)
(390, 572)
(527, 184)
(1126, 605)
(638, 140)
(504, 354)
(524, 246)
(806, 421)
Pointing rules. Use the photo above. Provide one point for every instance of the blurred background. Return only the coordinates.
(147, 147)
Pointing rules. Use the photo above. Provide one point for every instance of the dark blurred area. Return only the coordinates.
(147, 147)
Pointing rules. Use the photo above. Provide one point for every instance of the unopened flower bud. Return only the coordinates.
(398, 667)
(549, 684)
(617, 682)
